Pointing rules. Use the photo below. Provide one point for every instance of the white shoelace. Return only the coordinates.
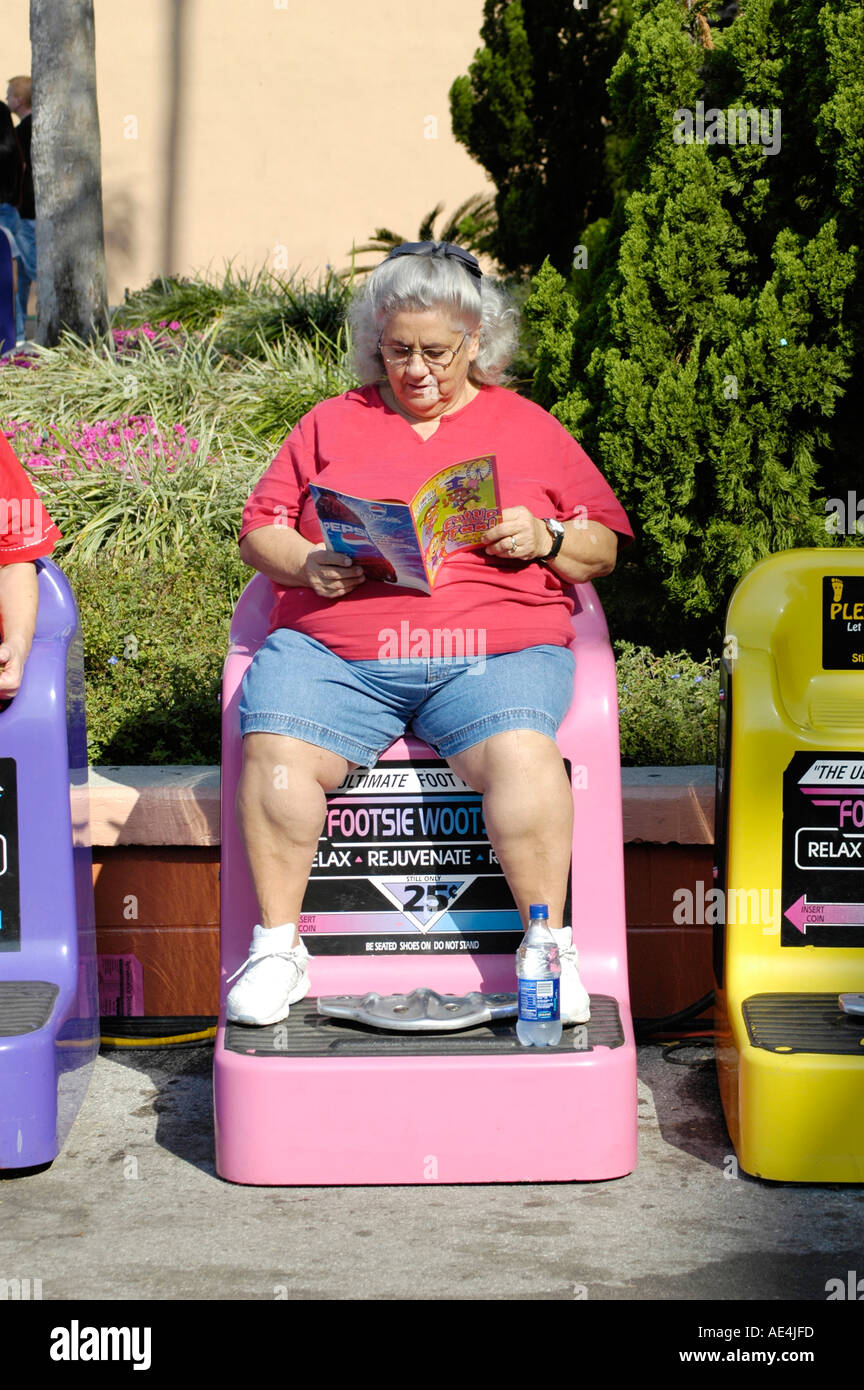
(258, 956)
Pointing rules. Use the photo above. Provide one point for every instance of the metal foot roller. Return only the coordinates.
(421, 1011)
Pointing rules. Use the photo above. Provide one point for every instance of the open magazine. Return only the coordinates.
(406, 543)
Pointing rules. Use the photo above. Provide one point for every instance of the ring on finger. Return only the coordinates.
(514, 545)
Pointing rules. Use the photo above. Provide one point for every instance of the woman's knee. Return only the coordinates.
(290, 764)
(507, 759)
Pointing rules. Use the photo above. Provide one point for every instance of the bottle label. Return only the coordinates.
(538, 1001)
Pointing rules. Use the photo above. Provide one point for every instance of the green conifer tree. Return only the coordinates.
(717, 328)
(534, 112)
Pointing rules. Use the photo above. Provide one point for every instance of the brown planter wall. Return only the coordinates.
(669, 965)
(175, 936)
(157, 922)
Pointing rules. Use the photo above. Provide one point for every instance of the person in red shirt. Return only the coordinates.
(323, 695)
(26, 533)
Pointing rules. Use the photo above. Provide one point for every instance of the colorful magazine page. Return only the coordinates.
(380, 536)
(407, 543)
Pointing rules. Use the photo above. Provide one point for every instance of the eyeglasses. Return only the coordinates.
(438, 359)
(439, 248)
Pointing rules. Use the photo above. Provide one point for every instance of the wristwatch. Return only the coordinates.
(556, 531)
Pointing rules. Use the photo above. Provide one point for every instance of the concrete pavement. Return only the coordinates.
(132, 1209)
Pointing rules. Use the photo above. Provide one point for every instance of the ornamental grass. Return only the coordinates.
(285, 380)
(143, 489)
(89, 382)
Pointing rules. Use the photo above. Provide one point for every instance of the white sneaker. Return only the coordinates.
(272, 978)
(575, 1002)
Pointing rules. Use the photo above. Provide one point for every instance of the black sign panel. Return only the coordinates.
(843, 622)
(823, 850)
(405, 866)
(10, 900)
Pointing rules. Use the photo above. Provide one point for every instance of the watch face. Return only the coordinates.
(556, 527)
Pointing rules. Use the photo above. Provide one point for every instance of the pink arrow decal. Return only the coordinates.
(803, 914)
(795, 913)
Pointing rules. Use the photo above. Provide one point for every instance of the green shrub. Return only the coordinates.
(196, 303)
(708, 363)
(155, 639)
(667, 707)
(287, 308)
(242, 310)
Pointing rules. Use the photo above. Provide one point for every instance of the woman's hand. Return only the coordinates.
(19, 603)
(519, 536)
(329, 574)
(13, 655)
(588, 551)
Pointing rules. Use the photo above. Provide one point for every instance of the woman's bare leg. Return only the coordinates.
(281, 807)
(528, 810)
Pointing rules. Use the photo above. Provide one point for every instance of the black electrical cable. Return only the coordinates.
(645, 1027)
(157, 1032)
(670, 1049)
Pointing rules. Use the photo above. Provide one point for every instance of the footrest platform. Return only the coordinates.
(308, 1033)
(803, 1023)
(797, 1064)
(319, 1100)
(25, 1006)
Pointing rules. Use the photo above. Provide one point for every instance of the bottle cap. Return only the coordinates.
(538, 910)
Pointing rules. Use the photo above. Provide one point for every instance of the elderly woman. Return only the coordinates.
(432, 337)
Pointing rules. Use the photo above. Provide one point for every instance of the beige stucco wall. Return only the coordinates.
(297, 126)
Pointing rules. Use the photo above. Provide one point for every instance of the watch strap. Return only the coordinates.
(557, 542)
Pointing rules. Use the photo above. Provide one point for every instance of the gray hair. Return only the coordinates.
(433, 282)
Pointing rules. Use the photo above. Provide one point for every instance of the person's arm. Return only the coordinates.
(289, 559)
(589, 549)
(19, 601)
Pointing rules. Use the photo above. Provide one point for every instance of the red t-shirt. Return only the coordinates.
(26, 529)
(356, 444)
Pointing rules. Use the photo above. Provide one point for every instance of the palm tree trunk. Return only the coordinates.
(70, 248)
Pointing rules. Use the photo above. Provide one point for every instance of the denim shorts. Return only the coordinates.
(297, 686)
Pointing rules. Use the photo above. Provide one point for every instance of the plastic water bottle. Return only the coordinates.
(538, 975)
